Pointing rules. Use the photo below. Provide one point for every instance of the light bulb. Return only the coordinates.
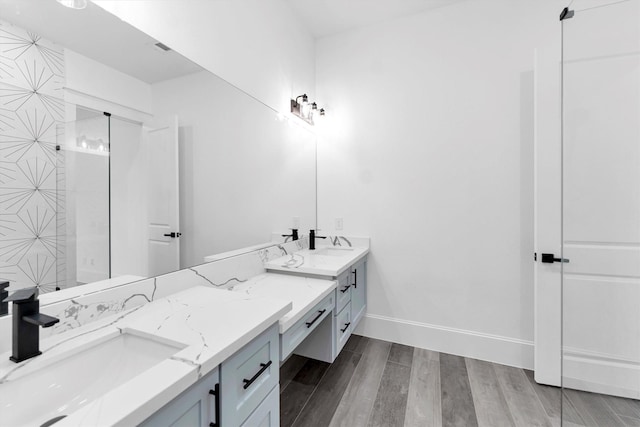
(84, 144)
(305, 109)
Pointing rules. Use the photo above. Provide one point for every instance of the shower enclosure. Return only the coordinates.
(601, 213)
(101, 202)
(83, 200)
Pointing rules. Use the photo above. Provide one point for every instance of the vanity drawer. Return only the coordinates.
(343, 327)
(343, 296)
(268, 413)
(303, 327)
(248, 376)
(343, 291)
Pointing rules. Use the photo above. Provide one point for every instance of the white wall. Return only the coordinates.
(428, 148)
(98, 86)
(257, 45)
(244, 172)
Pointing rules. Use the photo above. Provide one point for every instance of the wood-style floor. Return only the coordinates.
(377, 383)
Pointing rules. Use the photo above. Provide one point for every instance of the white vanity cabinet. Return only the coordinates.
(242, 391)
(305, 326)
(248, 377)
(196, 406)
(351, 302)
(326, 342)
(358, 290)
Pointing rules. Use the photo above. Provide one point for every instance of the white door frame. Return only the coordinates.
(548, 215)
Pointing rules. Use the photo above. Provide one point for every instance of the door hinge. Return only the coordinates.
(566, 14)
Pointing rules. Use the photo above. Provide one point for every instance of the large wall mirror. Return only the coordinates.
(185, 165)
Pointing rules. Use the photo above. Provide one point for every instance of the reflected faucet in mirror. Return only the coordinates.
(293, 235)
(312, 239)
(27, 321)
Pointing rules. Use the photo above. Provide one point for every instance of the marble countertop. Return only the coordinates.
(303, 292)
(213, 324)
(317, 261)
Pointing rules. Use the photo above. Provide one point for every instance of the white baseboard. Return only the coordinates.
(492, 348)
(600, 373)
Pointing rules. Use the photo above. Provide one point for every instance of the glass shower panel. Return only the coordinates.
(601, 214)
(83, 228)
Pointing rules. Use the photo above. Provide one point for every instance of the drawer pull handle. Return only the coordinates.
(346, 326)
(355, 279)
(216, 392)
(263, 367)
(346, 288)
(320, 313)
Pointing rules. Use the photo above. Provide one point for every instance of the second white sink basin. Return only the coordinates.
(61, 388)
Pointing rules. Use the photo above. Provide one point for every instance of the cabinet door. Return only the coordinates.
(248, 376)
(268, 413)
(343, 328)
(358, 291)
(196, 406)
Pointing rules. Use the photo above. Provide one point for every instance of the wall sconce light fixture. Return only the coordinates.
(301, 108)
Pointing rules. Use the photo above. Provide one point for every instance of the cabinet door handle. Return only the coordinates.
(320, 313)
(355, 279)
(346, 288)
(263, 367)
(216, 404)
(346, 326)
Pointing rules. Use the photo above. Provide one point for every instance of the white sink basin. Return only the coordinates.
(339, 252)
(63, 387)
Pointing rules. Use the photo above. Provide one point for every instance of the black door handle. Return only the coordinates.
(263, 367)
(355, 278)
(173, 235)
(346, 326)
(320, 313)
(346, 288)
(550, 259)
(216, 405)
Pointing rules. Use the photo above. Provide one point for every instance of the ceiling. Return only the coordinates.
(99, 35)
(327, 17)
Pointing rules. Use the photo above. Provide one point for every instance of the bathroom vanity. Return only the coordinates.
(346, 267)
(201, 346)
(200, 354)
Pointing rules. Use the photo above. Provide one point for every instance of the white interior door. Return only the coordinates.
(601, 201)
(163, 212)
(594, 299)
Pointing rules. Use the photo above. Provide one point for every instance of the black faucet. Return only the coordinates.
(27, 320)
(312, 239)
(293, 235)
(4, 306)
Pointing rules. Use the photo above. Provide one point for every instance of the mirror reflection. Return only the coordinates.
(118, 156)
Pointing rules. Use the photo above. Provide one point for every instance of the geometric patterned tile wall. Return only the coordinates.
(31, 108)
